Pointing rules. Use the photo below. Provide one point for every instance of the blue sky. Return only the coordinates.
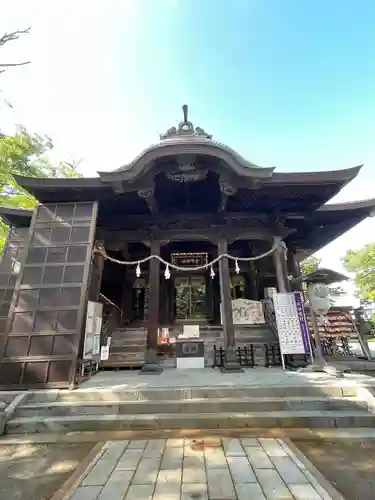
(289, 83)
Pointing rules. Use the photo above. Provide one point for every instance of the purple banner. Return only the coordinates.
(302, 321)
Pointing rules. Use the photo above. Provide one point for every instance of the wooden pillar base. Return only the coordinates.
(231, 363)
(152, 364)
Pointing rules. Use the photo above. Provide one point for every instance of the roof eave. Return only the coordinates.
(343, 176)
(348, 206)
(57, 183)
(19, 217)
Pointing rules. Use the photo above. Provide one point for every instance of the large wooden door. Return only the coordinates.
(44, 326)
(190, 293)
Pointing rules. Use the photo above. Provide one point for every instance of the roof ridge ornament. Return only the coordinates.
(185, 128)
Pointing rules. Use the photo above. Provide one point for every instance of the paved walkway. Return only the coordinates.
(171, 378)
(214, 469)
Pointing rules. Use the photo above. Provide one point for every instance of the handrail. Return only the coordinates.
(110, 317)
(269, 314)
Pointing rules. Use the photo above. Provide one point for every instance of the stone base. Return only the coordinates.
(152, 364)
(324, 368)
(231, 363)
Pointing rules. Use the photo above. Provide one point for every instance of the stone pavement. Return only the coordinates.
(172, 378)
(205, 469)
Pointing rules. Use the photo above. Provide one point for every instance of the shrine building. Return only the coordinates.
(183, 202)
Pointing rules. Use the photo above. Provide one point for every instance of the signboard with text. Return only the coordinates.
(291, 323)
(192, 259)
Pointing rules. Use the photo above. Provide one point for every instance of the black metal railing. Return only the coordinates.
(272, 355)
(337, 346)
(245, 356)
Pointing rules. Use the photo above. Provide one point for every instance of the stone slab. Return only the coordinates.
(154, 448)
(272, 447)
(215, 458)
(272, 485)
(289, 471)
(249, 491)
(194, 491)
(220, 485)
(241, 470)
(129, 460)
(100, 473)
(167, 491)
(304, 492)
(193, 474)
(140, 492)
(233, 448)
(87, 493)
(258, 458)
(147, 471)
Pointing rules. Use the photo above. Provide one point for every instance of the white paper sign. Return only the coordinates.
(104, 353)
(96, 345)
(288, 324)
(190, 331)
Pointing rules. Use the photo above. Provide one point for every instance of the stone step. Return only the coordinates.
(166, 421)
(229, 405)
(187, 393)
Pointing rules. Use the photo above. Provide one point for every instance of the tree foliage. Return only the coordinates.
(362, 264)
(310, 264)
(26, 154)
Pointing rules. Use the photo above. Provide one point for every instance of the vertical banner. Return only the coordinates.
(302, 321)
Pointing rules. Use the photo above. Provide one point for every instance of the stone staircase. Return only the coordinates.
(178, 408)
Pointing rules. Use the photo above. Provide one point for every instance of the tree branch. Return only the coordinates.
(8, 37)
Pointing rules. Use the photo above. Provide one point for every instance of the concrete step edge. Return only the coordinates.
(231, 388)
(197, 416)
(140, 402)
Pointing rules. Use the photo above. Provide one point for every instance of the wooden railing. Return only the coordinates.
(111, 318)
(269, 315)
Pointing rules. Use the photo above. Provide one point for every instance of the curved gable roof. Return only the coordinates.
(189, 145)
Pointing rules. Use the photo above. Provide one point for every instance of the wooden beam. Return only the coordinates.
(147, 194)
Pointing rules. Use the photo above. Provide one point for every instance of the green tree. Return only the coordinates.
(310, 264)
(362, 264)
(371, 324)
(26, 154)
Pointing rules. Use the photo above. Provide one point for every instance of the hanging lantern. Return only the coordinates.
(212, 272)
(167, 273)
(138, 271)
(237, 267)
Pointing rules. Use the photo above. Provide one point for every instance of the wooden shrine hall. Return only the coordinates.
(141, 241)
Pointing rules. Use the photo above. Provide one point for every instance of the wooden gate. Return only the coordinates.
(44, 325)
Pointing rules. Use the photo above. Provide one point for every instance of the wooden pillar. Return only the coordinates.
(127, 298)
(294, 268)
(97, 266)
(252, 275)
(279, 257)
(231, 363)
(151, 360)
